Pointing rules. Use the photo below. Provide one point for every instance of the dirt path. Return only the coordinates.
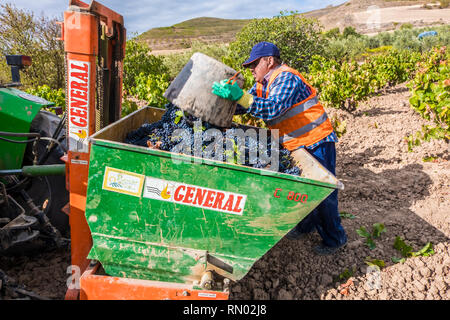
(383, 184)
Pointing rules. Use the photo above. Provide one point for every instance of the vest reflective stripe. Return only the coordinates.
(303, 124)
(305, 129)
(294, 111)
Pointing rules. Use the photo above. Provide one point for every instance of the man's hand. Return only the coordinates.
(227, 90)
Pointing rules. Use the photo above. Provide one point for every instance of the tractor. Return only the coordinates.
(32, 183)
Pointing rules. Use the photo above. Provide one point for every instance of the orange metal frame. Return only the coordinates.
(99, 287)
(80, 36)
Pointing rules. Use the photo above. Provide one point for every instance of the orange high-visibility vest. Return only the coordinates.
(303, 124)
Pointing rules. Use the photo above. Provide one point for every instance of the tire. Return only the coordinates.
(52, 188)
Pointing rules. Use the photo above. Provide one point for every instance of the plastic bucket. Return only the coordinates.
(191, 90)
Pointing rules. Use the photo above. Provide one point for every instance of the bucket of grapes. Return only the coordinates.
(191, 90)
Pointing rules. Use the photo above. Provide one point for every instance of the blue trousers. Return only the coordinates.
(325, 218)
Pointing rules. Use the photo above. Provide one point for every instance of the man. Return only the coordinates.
(285, 101)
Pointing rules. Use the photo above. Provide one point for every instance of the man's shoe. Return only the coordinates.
(294, 234)
(323, 250)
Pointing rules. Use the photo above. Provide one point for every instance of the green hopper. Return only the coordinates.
(158, 215)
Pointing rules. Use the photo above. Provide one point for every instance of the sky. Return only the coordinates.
(141, 15)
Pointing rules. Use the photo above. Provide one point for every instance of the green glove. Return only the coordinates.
(227, 90)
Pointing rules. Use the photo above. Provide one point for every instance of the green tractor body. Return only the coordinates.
(17, 111)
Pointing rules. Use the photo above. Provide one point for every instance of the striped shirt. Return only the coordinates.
(286, 90)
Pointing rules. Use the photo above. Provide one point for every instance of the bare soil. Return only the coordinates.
(374, 16)
(384, 183)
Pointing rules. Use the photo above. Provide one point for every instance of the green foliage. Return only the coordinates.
(406, 26)
(354, 46)
(57, 96)
(346, 274)
(398, 260)
(181, 35)
(345, 47)
(378, 229)
(346, 215)
(428, 159)
(151, 87)
(444, 4)
(128, 106)
(334, 33)
(407, 251)
(138, 59)
(343, 84)
(430, 96)
(340, 127)
(249, 120)
(375, 262)
(145, 77)
(407, 39)
(350, 31)
(298, 39)
(21, 32)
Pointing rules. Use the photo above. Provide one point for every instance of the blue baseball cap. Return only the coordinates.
(262, 49)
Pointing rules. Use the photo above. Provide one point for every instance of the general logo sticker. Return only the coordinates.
(122, 181)
(194, 196)
(78, 92)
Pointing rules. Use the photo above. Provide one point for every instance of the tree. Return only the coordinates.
(298, 39)
(334, 33)
(350, 31)
(23, 33)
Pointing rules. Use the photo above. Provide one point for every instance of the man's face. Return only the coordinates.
(261, 67)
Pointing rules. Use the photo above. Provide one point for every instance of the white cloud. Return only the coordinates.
(141, 15)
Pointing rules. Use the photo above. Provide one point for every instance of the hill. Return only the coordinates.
(180, 35)
(366, 16)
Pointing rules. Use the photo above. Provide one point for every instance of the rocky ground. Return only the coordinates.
(384, 183)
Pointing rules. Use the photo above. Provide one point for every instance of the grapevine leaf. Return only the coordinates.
(363, 232)
(378, 229)
(398, 260)
(401, 246)
(371, 244)
(426, 251)
(375, 262)
(347, 215)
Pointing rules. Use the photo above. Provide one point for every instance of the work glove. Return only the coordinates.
(231, 91)
(226, 90)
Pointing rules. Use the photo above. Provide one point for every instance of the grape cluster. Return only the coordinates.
(161, 135)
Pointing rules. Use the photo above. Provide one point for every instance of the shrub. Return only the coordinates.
(138, 59)
(350, 31)
(151, 87)
(57, 96)
(334, 33)
(430, 91)
(342, 84)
